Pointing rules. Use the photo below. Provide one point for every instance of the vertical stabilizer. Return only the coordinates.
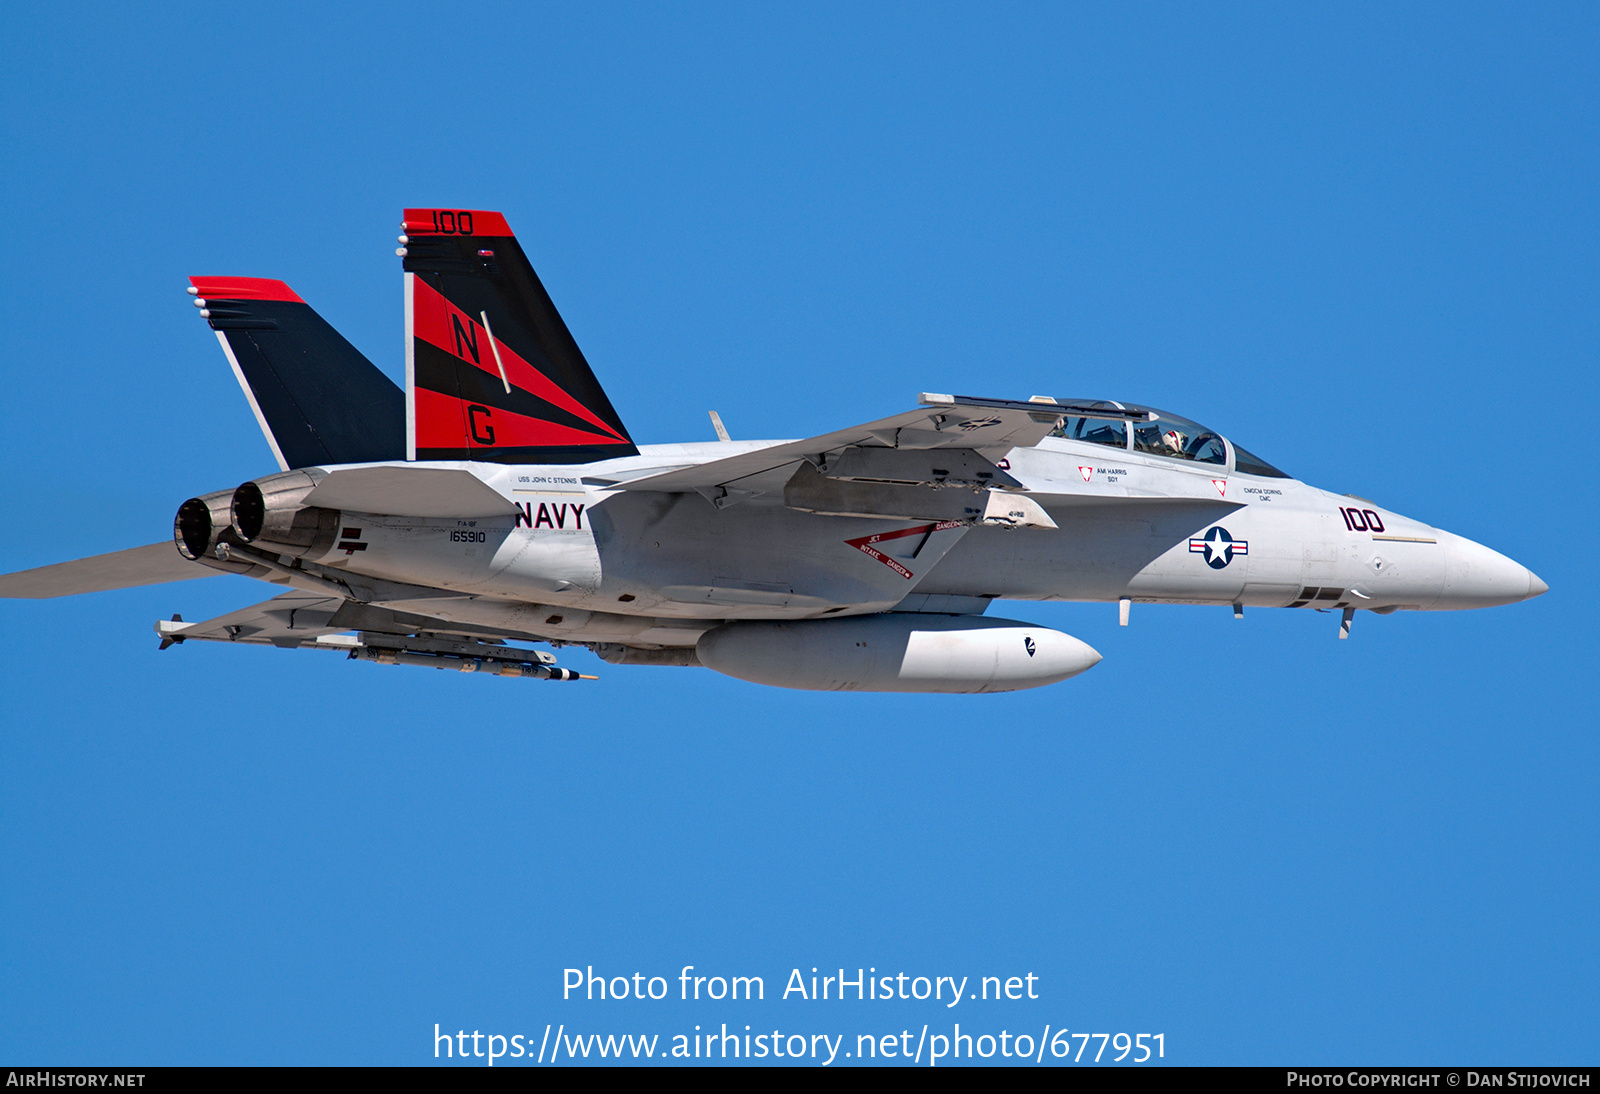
(492, 372)
(317, 398)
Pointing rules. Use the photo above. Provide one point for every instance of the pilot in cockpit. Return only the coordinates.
(1179, 440)
(1147, 438)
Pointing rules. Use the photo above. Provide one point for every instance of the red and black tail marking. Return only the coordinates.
(493, 372)
(318, 399)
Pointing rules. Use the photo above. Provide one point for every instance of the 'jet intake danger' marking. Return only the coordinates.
(865, 543)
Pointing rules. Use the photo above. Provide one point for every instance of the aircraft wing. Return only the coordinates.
(943, 422)
(150, 565)
(299, 617)
(286, 620)
(302, 620)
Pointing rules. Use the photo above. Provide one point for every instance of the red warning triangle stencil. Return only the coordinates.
(1086, 472)
(1221, 485)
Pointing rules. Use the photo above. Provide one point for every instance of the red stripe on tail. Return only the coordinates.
(444, 421)
(443, 325)
(455, 222)
(244, 288)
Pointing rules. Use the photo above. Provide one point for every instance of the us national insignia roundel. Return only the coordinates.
(1218, 547)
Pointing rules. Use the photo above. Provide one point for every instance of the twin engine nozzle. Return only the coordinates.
(267, 512)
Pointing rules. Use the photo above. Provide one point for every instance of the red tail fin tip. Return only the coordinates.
(454, 222)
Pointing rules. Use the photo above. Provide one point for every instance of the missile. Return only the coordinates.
(465, 664)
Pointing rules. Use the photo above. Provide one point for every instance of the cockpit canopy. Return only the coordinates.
(1164, 434)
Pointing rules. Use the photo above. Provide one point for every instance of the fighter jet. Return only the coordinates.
(499, 499)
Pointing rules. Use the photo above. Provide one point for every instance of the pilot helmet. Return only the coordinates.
(1174, 440)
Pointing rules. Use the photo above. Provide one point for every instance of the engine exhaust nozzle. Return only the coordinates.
(270, 512)
(202, 523)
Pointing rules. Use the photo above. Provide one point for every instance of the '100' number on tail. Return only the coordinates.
(450, 223)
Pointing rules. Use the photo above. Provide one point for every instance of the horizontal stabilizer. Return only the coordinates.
(152, 565)
(410, 492)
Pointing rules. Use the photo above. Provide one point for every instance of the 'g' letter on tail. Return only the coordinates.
(492, 371)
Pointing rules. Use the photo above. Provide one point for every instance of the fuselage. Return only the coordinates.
(586, 560)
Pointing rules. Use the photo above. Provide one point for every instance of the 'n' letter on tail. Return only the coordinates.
(492, 371)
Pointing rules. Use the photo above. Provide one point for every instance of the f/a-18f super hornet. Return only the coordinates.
(499, 499)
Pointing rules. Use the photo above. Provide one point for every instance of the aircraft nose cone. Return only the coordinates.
(1477, 577)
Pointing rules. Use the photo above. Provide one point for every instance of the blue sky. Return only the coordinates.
(1360, 240)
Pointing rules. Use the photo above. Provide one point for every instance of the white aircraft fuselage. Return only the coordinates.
(660, 569)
